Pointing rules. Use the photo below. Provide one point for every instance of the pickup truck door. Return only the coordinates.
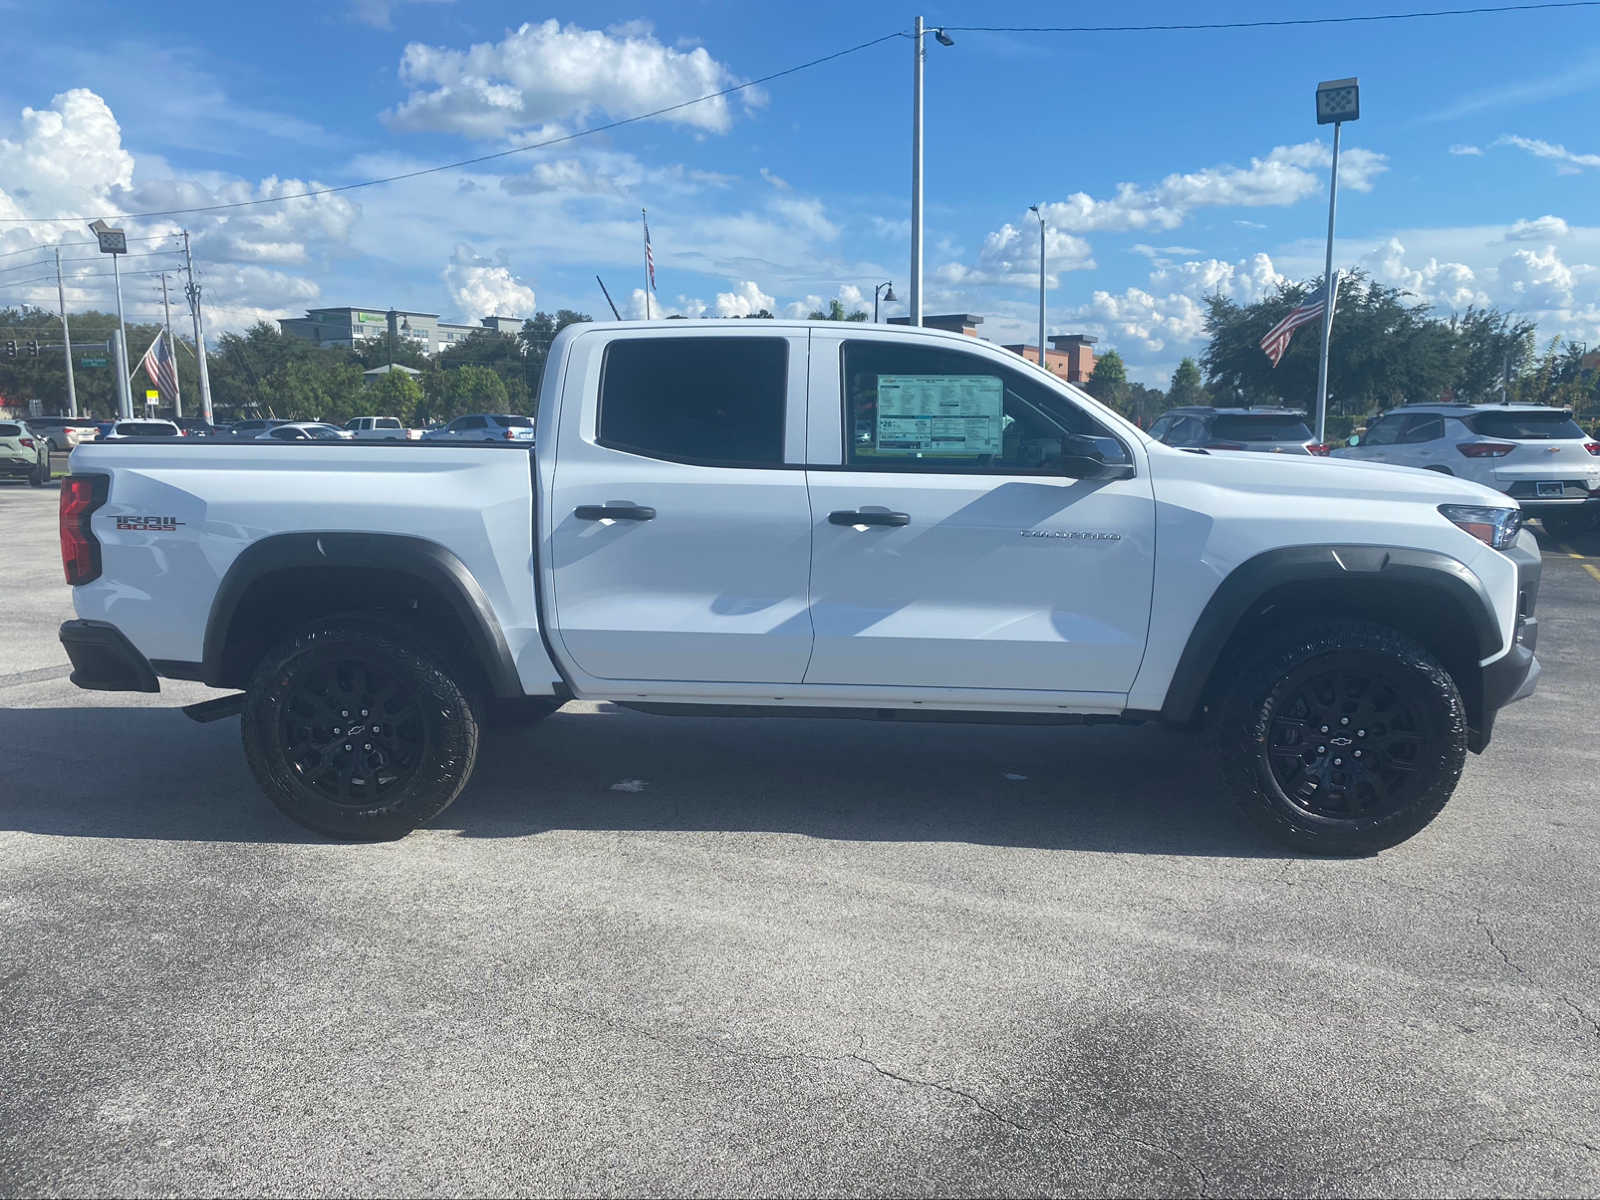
(679, 531)
(950, 549)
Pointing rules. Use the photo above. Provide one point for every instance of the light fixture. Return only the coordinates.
(943, 38)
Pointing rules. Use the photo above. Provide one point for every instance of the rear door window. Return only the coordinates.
(1424, 428)
(717, 401)
(1527, 426)
(1264, 428)
(514, 422)
(10, 430)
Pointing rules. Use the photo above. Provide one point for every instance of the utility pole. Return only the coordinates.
(166, 332)
(192, 291)
(914, 299)
(66, 339)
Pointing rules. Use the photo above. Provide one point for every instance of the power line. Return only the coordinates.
(482, 158)
(1264, 24)
(154, 237)
(85, 258)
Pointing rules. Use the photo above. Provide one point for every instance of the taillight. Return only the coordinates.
(28, 442)
(1592, 447)
(1224, 445)
(1319, 448)
(1485, 449)
(80, 551)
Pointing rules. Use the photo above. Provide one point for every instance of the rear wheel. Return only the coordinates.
(41, 474)
(1343, 737)
(356, 734)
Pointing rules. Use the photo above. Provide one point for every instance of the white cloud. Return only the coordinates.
(380, 13)
(69, 158)
(1146, 321)
(485, 289)
(1282, 177)
(1551, 150)
(1245, 281)
(1540, 229)
(777, 181)
(547, 72)
(745, 300)
(1450, 285)
(1467, 151)
(1155, 252)
(1537, 281)
(1011, 255)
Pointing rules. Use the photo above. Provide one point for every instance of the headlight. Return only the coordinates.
(1497, 527)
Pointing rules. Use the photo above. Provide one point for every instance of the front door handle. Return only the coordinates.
(614, 512)
(849, 516)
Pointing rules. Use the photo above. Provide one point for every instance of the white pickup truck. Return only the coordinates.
(727, 517)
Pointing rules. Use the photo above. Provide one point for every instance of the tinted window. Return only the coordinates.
(1533, 426)
(1186, 431)
(1159, 429)
(513, 421)
(1382, 432)
(145, 429)
(469, 423)
(921, 408)
(708, 399)
(10, 430)
(386, 423)
(323, 433)
(1424, 428)
(1263, 428)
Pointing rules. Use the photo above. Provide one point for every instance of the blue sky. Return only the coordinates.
(1172, 164)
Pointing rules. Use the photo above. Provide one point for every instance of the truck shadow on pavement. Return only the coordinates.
(150, 773)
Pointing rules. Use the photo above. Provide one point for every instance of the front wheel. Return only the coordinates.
(1343, 737)
(354, 733)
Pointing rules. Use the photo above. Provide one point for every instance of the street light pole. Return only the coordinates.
(887, 295)
(124, 392)
(1036, 211)
(192, 291)
(66, 339)
(1338, 101)
(915, 300)
(918, 32)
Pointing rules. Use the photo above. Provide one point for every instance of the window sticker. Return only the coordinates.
(926, 415)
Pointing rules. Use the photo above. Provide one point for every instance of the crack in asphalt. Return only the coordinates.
(1520, 1137)
(946, 1088)
(1577, 1010)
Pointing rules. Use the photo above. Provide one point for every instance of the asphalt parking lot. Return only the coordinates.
(649, 955)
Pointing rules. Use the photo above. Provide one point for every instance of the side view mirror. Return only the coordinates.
(1354, 440)
(1094, 458)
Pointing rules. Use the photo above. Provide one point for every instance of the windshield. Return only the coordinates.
(1529, 426)
(1264, 428)
(514, 422)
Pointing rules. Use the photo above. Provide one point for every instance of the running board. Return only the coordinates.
(215, 710)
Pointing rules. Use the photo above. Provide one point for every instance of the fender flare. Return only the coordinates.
(428, 562)
(1425, 572)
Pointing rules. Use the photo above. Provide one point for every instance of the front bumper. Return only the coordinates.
(104, 660)
(1514, 675)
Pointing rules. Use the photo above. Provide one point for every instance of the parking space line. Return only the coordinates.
(1592, 569)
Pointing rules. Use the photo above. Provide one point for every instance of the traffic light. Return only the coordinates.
(33, 348)
(11, 349)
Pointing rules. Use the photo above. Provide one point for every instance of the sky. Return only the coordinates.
(1170, 165)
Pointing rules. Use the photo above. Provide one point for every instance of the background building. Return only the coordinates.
(347, 327)
(1071, 356)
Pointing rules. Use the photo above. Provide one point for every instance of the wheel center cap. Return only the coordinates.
(1342, 741)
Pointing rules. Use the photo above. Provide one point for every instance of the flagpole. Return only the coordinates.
(1327, 288)
(66, 339)
(166, 321)
(645, 221)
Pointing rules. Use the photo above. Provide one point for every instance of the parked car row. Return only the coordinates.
(61, 434)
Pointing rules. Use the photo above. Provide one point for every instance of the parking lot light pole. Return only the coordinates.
(1338, 101)
(885, 290)
(918, 34)
(115, 243)
(1038, 212)
(66, 339)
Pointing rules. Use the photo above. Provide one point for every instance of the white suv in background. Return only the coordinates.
(1536, 454)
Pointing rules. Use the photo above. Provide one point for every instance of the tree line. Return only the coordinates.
(266, 372)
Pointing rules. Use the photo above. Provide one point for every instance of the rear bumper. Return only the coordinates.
(18, 466)
(1514, 675)
(104, 660)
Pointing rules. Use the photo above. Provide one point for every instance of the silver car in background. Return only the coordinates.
(1271, 430)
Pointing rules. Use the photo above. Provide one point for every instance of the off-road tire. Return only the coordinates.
(389, 782)
(1403, 703)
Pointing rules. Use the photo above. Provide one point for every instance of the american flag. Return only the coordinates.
(159, 364)
(649, 255)
(1277, 339)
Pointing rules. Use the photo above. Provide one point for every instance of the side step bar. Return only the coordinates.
(215, 710)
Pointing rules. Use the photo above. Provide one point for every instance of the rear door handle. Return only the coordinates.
(847, 516)
(614, 512)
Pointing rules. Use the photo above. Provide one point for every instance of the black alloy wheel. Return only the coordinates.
(1341, 736)
(352, 731)
(358, 730)
(1346, 744)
